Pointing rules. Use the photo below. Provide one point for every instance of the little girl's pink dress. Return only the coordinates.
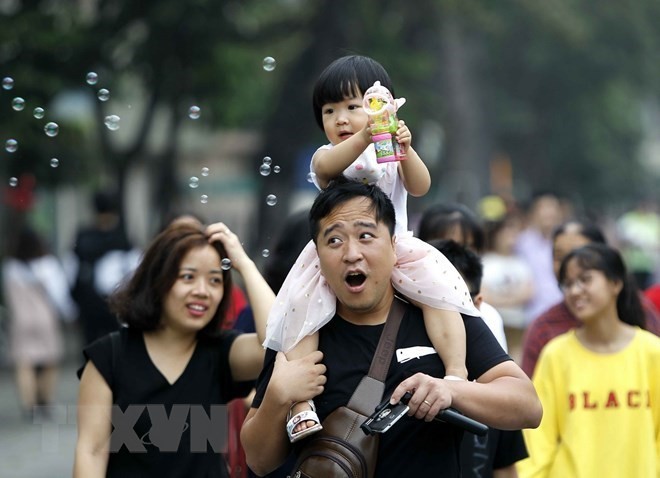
(305, 303)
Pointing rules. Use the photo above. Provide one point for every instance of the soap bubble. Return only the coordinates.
(38, 112)
(265, 253)
(18, 103)
(267, 160)
(13, 182)
(103, 94)
(54, 162)
(194, 112)
(112, 122)
(193, 182)
(271, 199)
(205, 172)
(225, 264)
(204, 199)
(7, 83)
(264, 170)
(269, 63)
(92, 78)
(51, 129)
(276, 169)
(11, 145)
(311, 177)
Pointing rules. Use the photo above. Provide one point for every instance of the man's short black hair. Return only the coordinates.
(466, 262)
(342, 190)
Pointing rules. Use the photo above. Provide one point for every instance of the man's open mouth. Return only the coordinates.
(355, 279)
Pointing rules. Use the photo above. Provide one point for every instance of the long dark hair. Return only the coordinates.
(139, 302)
(608, 260)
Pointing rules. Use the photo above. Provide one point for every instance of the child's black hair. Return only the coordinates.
(346, 77)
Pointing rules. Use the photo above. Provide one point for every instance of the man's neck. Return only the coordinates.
(376, 315)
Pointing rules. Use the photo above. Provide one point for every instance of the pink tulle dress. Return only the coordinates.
(305, 302)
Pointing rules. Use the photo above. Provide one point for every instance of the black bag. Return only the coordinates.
(342, 449)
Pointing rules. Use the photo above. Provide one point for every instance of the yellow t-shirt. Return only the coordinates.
(601, 412)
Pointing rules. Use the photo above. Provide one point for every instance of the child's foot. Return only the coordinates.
(302, 421)
(456, 373)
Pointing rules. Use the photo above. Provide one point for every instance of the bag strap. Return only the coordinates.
(369, 391)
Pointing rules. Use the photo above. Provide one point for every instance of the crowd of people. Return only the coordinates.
(538, 324)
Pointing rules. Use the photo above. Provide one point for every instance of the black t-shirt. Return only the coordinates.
(412, 447)
(480, 455)
(135, 381)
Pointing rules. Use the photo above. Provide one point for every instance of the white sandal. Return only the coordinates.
(305, 415)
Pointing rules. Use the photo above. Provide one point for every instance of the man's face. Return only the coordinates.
(357, 256)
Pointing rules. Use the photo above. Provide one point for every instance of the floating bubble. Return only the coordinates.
(265, 253)
(11, 145)
(311, 177)
(271, 199)
(103, 94)
(276, 169)
(225, 264)
(112, 122)
(267, 160)
(194, 112)
(51, 129)
(204, 199)
(7, 83)
(18, 103)
(205, 172)
(92, 78)
(38, 112)
(193, 182)
(269, 63)
(264, 170)
(13, 182)
(54, 162)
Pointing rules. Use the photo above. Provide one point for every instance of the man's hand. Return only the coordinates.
(430, 395)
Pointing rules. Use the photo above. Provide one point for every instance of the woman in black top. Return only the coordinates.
(150, 394)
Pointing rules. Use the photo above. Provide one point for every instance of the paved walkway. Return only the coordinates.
(40, 450)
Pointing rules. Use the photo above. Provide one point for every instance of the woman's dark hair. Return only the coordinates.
(27, 245)
(439, 220)
(603, 258)
(346, 77)
(584, 228)
(341, 190)
(139, 302)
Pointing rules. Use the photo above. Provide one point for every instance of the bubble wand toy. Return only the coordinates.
(381, 107)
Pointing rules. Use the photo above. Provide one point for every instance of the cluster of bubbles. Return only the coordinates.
(266, 168)
(193, 183)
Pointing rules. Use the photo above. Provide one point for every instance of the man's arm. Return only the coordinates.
(503, 397)
(263, 434)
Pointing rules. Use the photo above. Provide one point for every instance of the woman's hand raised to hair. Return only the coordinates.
(235, 253)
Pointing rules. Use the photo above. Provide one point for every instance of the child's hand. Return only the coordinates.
(403, 136)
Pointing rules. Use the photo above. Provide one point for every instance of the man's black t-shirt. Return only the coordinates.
(412, 447)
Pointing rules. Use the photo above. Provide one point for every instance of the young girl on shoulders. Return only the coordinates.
(305, 303)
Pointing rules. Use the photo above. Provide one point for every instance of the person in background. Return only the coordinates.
(559, 319)
(172, 354)
(507, 284)
(534, 246)
(495, 454)
(599, 383)
(103, 258)
(457, 222)
(37, 297)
